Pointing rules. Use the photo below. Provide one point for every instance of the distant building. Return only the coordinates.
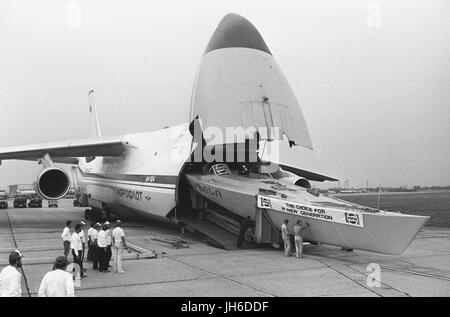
(21, 189)
(350, 191)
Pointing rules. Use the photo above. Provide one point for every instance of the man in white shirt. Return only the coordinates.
(58, 283)
(298, 238)
(108, 243)
(118, 239)
(101, 243)
(89, 241)
(286, 238)
(66, 236)
(83, 241)
(10, 277)
(83, 238)
(94, 243)
(77, 247)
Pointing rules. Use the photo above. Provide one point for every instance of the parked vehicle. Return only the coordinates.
(20, 202)
(3, 201)
(52, 204)
(35, 202)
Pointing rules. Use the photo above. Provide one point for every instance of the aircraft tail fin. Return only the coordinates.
(94, 122)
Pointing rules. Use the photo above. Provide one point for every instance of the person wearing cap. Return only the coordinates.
(95, 252)
(66, 236)
(118, 240)
(83, 240)
(57, 283)
(89, 241)
(10, 277)
(77, 248)
(102, 256)
(108, 242)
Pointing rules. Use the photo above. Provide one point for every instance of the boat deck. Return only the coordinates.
(272, 187)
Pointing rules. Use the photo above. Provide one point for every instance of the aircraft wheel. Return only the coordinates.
(93, 215)
(88, 214)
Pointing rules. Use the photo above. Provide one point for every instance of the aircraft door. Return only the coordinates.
(267, 118)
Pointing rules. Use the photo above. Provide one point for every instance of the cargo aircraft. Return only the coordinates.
(169, 173)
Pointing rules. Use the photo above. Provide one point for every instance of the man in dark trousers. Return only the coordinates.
(90, 243)
(108, 242)
(245, 224)
(102, 250)
(95, 251)
(77, 248)
(66, 236)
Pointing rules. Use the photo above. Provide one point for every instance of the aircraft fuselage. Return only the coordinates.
(141, 182)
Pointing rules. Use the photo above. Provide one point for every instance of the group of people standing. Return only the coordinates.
(102, 244)
(245, 223)
(298, 238)
(101, 241)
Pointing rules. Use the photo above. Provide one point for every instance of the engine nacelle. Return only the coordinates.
(291, 178)
(53, 183)
(299, 181)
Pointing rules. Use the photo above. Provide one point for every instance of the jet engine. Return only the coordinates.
(53, 183)
(299, 181)
(291, 178)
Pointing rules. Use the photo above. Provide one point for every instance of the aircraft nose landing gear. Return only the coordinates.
(101, 215)
(94, 214)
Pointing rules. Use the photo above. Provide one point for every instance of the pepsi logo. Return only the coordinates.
(352, 218)
(266, 203)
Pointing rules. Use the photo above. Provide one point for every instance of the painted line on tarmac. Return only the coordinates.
(222, 276)
(31, 249)
(15, 243)
(140, 284)
(349, 278)
(439, 277)
(382, 283)
(50, 260)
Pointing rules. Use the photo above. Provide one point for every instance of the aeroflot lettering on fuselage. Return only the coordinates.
(130, 194)
(207, 190)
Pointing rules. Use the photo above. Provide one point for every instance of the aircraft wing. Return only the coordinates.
(66, 151)
(307, 174)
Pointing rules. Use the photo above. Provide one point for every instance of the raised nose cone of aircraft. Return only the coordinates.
(236, 31)
(239, 84)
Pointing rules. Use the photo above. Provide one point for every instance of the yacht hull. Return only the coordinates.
(331, 221)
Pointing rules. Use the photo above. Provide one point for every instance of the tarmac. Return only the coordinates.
(165, 262)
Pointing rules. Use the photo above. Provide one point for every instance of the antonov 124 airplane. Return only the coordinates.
(171, 174)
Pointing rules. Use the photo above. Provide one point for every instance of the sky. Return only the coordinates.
(372, 77)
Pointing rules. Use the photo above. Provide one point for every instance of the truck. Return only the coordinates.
(3, 201)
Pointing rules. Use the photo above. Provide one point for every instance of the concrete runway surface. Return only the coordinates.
(193, 268)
